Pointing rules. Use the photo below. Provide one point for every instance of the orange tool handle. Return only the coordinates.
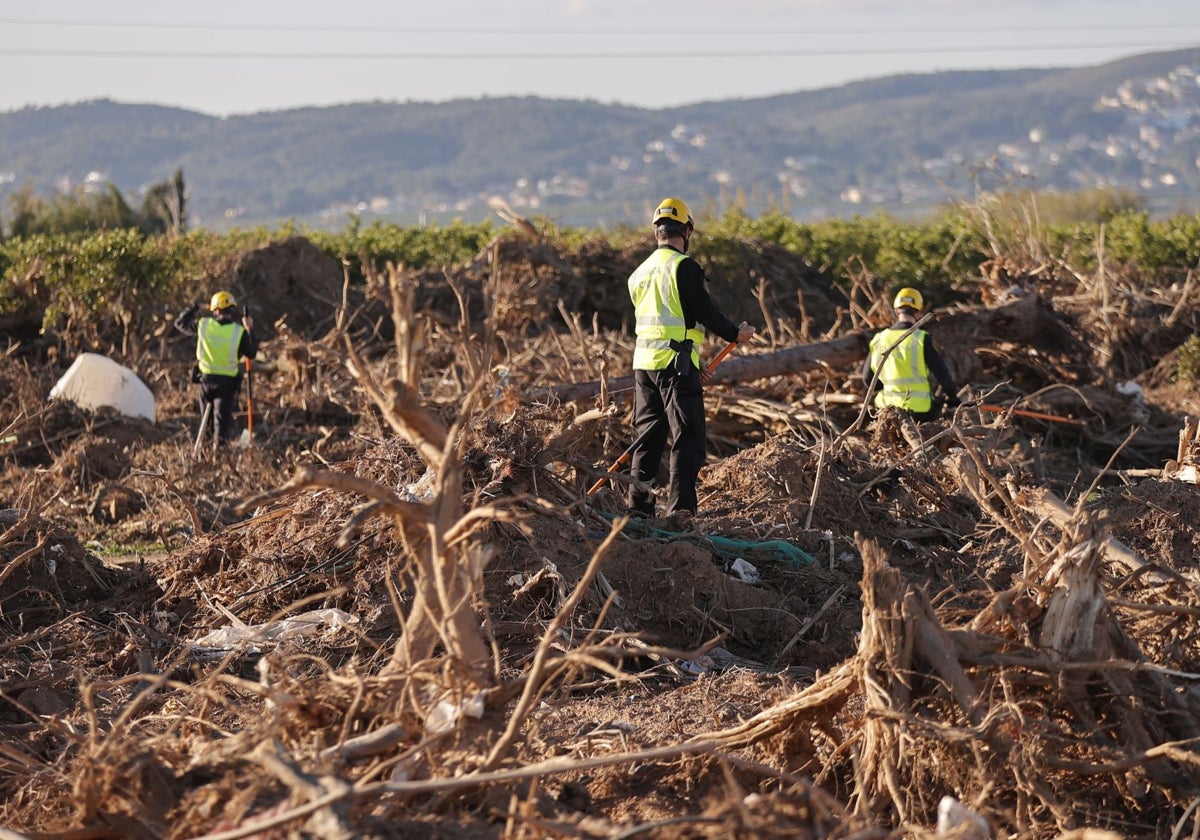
(617, 464)
(249, 400)
(720, 357)
(1037, 415)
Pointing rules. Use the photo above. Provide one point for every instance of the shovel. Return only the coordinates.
(247, 438)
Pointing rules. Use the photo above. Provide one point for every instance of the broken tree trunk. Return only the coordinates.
(1041, 501)
(901, 637)
(1078, 626)
(836, 354)
(1186, 466)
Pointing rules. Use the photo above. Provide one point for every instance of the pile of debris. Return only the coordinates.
(400, 610)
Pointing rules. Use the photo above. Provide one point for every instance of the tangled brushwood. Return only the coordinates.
(400, 613)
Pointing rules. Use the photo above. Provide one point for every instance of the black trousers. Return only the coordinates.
(666, 402)
(222, 393)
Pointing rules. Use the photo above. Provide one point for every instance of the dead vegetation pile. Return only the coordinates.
(401, 613)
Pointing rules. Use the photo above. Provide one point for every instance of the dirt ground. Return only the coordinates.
(866, 617)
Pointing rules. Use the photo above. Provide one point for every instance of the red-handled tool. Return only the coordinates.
(1037, 415)
(249, 403)
(628, 453)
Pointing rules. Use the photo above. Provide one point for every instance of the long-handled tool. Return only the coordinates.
(720, 357)
(1037, 415)
(248, 435)
(622, 461)
(203, 428)
(249, 404)
(628, 453)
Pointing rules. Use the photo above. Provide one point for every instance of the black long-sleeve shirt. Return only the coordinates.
(698, 307)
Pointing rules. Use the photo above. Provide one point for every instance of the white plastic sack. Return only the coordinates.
(94, 380)
(304, 624)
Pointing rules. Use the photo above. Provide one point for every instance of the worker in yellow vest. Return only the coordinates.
(905, 373)
(221, 343)
(672, 310)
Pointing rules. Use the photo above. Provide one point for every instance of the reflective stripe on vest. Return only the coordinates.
(904, 375)
(659, 312)
(217, 346)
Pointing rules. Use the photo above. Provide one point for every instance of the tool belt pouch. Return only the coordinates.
(683, 356)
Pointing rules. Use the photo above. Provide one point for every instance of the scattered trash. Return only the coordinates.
(957, 820)
(503, 380)
(697, 667)
(746, 572)
(445, 715)
(1138, 407)
(420, 490)
(1130, 388)
(304, 624)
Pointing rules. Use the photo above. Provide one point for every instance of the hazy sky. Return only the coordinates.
(224, 57)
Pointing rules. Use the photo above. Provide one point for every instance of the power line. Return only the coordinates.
(675, 31)
(562, 56)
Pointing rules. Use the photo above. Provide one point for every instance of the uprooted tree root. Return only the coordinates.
(1037, 708)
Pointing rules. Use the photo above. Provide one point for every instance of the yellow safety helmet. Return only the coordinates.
(672, 210)
(908, 299)
(222, 300)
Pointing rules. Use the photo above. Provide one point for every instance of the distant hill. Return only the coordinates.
(901, 143)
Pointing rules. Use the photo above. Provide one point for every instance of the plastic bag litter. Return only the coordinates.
(746, 572)
(303, 624)
(957, 820)
(445, 715)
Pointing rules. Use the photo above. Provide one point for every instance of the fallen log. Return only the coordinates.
(1024, 321)
(835, 354)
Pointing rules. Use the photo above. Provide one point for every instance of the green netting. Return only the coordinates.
(779, 550)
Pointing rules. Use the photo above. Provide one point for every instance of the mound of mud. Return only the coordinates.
(291, 280)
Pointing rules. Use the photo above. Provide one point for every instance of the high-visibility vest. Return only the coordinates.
(217, 346)
(659, 312)
(904, 375)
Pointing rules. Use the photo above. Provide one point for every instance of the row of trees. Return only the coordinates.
(85, 255)
(163, 210)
